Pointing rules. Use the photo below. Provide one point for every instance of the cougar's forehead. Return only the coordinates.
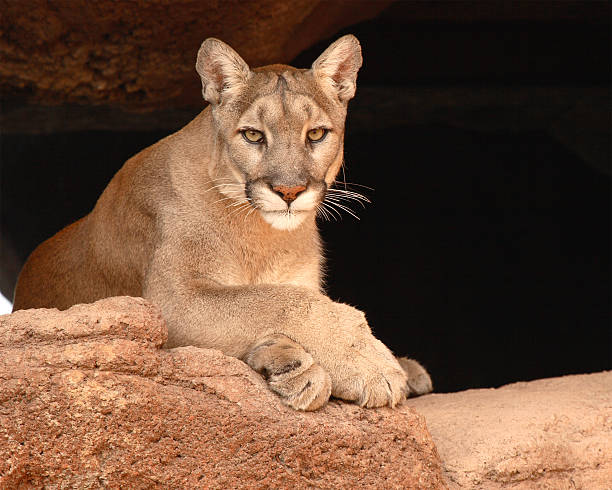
(292, 113)
(288, 98)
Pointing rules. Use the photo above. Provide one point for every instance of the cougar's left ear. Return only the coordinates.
(336, 69)
(222, 70)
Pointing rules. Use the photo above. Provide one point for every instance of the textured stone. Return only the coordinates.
(546, 434)
(88, 399)
(138, 54)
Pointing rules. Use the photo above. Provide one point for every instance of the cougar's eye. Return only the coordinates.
(253, 136)
(316, 134)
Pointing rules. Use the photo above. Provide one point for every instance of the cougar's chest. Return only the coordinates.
(277, 266)
(259, 255)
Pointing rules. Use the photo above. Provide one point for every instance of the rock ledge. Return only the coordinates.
(88, 399)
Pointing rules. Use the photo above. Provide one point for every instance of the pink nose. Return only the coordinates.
(289, 194)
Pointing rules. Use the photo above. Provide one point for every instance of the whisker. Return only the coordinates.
(222, 185)
(225, 199)
(325, 213)
(249, 213)
(320, 213)
(348, 210)
(343, 174)
(345, 202)
(332, 210)
(347, 192)
(340, 197)
(216, 179)
(240, 202)
(344, 197)
(356, 195)
(238, 210)
(219, 180)
(358, 185)
(247, 201)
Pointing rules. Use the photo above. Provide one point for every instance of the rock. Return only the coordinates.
(546, 434)
(141, 55)
(88, 399)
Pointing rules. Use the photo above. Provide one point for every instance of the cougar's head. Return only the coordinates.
(279, 130)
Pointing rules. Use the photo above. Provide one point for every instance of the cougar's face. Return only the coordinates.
(279, 130)
(281, 146)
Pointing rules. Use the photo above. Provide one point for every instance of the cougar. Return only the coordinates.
(216, 224)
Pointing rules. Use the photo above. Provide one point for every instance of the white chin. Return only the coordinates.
(283, 220)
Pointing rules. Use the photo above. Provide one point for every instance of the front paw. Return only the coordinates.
(369, 379)
(290, 371)
(361, 367)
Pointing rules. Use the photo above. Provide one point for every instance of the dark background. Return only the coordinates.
(485, 252)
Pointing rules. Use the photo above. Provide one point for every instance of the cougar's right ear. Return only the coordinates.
(222, 70)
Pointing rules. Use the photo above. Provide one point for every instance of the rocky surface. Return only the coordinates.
(142, 54)
(546, 434)
(88, 399)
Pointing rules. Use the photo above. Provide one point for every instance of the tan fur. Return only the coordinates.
(193, 224)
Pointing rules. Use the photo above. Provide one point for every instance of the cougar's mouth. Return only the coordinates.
(283, 220)
(284, 207)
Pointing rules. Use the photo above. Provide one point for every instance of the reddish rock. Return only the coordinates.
(546, 434)
(142, 54)
(88, 399)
